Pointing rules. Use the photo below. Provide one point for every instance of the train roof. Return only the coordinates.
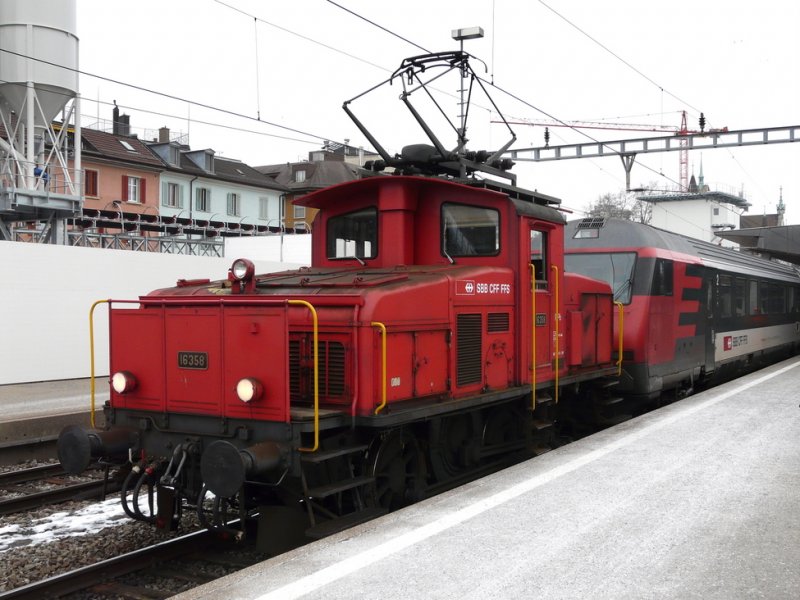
(613, 233)
(527, 202)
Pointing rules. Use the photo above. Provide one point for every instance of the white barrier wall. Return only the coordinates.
(46, 293)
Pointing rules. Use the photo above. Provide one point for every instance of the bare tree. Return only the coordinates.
(622, 205)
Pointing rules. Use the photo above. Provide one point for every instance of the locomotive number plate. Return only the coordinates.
(193, 360)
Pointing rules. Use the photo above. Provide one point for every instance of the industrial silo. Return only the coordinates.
(38, 80)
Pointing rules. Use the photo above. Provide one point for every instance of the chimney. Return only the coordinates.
(115, 119)
(163, 135)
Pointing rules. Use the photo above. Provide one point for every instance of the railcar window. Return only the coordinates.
(777, 299)
(725, 295)
(662, 278)
(616, 269)
(753, 297)
(353, 235)
(470, 230)
(539, 254)
(739, 292)
(763, 298)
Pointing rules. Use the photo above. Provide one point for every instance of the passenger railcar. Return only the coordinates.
(694, 312)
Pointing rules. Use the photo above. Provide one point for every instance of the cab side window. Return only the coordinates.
(539, 255)
(662, 278)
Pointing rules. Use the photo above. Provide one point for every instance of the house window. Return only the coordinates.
(299, 212)
(127, 146)
(174, 155)
(133, 189)
(234, 204)
(300, 175)
(716, 212)
(172, 196)
(263, 208)
(90, 183)
(202, 200)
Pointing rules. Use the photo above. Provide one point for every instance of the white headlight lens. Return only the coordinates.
(248, 389)
(242, 268)
(123, 382)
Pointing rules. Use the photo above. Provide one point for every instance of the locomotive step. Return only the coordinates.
(611, 400)
(540, 424)
(336, 525)
(324, 491)
(543, 398)
(323, 455)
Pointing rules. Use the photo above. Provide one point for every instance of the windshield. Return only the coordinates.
(615, 269)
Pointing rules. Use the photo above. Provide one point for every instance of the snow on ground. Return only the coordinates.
(62, 524)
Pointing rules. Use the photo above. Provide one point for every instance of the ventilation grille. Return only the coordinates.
(333, 368)
(591, 223)
(301, 370)
(468, 349)
(294, 370)
(589, 227)
(497, 322)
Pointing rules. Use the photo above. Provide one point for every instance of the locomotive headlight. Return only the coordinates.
(123, 382)
(249, 389)
(242, 269)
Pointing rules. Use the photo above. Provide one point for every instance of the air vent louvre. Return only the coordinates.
(468, 349)
(497, 322)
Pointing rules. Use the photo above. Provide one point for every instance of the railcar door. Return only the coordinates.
(542, 302)
(711, 301)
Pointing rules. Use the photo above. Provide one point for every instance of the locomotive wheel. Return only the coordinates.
(503, 432)
(453, 445)
(395, 461)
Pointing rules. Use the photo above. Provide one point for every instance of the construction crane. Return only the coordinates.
(681, 132)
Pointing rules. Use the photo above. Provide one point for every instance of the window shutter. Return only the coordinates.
(164, 194)
(180, 196)
(142, 196)
(124, 187)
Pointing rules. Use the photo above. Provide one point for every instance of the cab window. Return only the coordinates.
(470, 230)
(539, 255)
(353, 235)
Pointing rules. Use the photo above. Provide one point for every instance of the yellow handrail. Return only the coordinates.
(91, 357)
(620, 327)
(316, 371)
(382, 327)
(533, 337)
(557, 316)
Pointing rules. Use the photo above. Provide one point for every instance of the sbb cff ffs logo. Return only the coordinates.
(468, 287)
(729, 342)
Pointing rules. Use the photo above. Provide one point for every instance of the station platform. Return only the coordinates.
(699, 499)
(35, 413)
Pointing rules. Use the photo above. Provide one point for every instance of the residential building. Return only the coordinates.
(325, 167)
(226, 193)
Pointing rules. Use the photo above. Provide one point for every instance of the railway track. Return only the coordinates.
(158, 571)
(27, 483)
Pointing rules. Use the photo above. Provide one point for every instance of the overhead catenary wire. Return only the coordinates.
(170, 96)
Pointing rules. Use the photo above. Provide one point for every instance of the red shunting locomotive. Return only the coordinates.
(403, 358)
(435, 336)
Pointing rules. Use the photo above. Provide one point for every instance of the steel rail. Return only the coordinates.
(86, 577)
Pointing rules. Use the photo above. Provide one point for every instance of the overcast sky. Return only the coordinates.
(617, 61)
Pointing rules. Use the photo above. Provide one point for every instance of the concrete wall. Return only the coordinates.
(46, 293)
